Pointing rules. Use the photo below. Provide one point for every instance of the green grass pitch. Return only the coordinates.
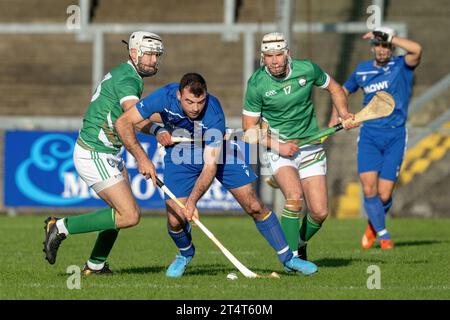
(418, 267)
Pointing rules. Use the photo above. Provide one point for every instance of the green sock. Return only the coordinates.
(103, 245)
(290, 224)
(308, 228)
(94, 221)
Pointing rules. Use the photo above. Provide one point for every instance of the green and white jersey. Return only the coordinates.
(98, 133)
(286, 104)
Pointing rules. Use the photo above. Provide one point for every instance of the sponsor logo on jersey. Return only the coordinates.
(270, 93)
(376, 87)
(302, 82)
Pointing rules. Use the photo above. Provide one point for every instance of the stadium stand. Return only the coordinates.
(34, 11)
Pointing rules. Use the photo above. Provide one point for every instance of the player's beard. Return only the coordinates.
(281, 73)
(146, 70)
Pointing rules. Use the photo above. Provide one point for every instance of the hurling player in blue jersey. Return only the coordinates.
(190, 168)
(382, 142)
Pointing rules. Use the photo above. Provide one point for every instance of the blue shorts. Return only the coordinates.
(381, 150)
(181, 178)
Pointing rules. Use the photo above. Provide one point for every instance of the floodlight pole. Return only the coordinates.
(284, 19)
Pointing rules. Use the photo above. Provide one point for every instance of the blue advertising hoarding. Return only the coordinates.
(39, 172)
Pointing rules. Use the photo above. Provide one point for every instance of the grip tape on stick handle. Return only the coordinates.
(321, 134)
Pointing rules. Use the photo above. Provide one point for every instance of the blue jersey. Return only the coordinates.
(233, 172)
(395, 78)
(165, 102)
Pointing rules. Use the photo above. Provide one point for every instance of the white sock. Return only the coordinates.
(94, 266)
(61, 227)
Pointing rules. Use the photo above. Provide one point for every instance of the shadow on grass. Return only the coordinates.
(141, 270)
(417, 243)
(208, 269)
(333, 262)
(343, 262)
(136, 270)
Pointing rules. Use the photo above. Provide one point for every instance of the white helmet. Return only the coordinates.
(273, 42)
(144, 42)
(383, 34)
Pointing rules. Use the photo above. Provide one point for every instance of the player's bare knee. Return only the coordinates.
(134, 219)
(319, 216)
(384, 196)
(370, 191)
(255, 209)
(175, 222)
(131, 218)
(293, 194)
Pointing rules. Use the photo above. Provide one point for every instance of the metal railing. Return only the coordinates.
(420, 102)
(95, 33)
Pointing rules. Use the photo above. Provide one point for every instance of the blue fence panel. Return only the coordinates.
(39, 172)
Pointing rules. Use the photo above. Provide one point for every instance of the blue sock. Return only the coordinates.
(387, 205)
(375, 212)
(270, 228)
(183, 240)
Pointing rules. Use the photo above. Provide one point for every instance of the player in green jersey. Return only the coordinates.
(279, 93)
(97, 160)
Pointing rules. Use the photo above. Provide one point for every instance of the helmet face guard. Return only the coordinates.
(382, 57)
(377, 42)
(273, 43)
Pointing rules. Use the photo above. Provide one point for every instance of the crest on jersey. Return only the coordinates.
(364, 77)
(302, 82)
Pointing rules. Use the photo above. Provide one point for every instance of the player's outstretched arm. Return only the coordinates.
(334, 118)
(340, 103)
(125, 129)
